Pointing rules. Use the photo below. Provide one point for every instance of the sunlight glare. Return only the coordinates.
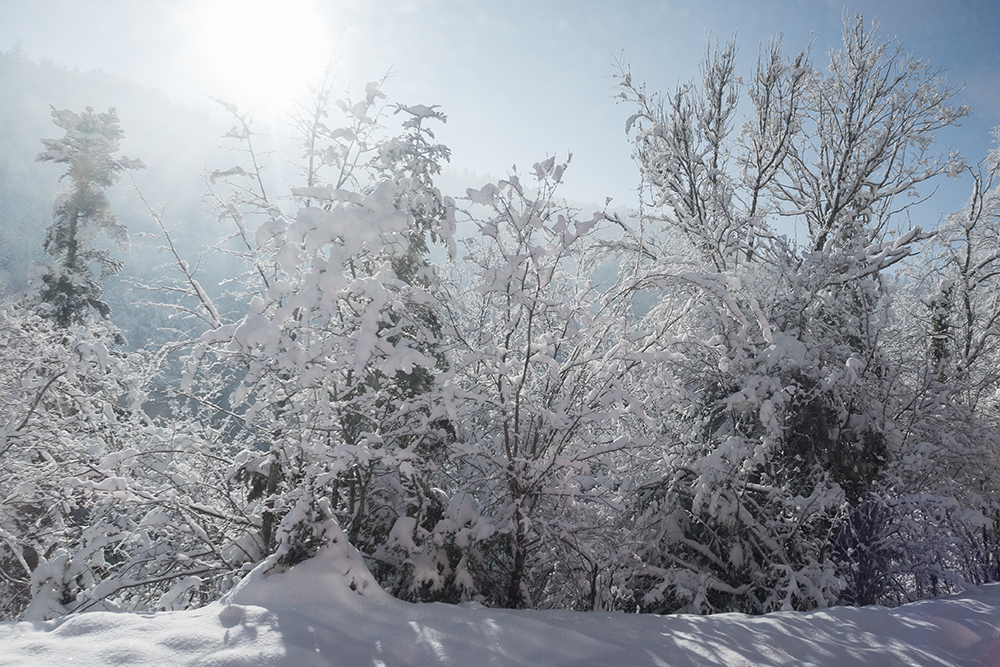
(261, 49)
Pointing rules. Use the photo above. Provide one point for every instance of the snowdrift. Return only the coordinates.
(328, 611)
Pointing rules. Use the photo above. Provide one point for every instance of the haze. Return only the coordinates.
(519, 80)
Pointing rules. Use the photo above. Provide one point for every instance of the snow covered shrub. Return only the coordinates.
(538, 388)
(898, 550)
(101, 508)
(727, 515)
(329, 372)
(69, 399)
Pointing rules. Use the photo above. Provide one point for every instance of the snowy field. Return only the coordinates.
(328, 611)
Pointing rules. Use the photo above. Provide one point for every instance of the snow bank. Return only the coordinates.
(328, 611)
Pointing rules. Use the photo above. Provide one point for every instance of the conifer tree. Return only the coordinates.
(66, 286)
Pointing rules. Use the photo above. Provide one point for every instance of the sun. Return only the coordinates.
(264, 50)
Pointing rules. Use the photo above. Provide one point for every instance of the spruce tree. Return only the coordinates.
(66, 286)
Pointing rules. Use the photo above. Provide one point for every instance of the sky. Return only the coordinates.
(520, 80)
(310, 616)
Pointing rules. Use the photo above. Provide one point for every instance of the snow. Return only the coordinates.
(327, 611)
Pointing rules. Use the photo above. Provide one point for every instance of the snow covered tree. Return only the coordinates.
(66, 287)
(940, 490)
(793, 420)
(964, 308)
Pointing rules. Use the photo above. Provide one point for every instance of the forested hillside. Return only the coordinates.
(496, 396)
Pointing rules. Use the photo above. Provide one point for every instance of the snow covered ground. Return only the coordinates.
(328, 611)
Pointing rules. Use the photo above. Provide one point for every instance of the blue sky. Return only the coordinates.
(519, 79)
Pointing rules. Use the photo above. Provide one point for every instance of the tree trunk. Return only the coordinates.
(516, 599)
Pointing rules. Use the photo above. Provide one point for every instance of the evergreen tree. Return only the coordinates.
(66, 285)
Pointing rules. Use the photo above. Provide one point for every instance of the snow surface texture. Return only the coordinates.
(328, 611)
